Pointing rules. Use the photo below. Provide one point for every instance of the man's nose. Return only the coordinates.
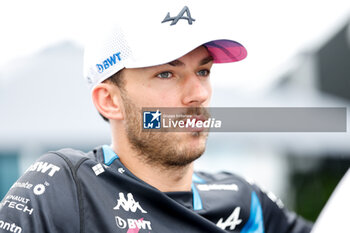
(196, 90)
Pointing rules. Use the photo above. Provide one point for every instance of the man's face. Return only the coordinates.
(180, 83)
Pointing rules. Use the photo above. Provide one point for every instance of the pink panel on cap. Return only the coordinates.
(225, 51)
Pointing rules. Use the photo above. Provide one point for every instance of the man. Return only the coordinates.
(144, 181)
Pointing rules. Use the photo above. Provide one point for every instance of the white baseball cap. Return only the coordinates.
(155, 32)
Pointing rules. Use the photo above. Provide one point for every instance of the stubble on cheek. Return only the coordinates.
(165, 149)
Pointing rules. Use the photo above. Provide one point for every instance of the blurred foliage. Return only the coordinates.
(313, 186)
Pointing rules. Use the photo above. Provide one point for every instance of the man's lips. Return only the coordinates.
(197, 118)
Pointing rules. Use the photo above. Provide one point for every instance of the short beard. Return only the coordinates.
(159, 148)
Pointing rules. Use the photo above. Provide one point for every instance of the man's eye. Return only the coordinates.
(203, 73)
(165, 75)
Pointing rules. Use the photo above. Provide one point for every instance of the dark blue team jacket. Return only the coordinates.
(68, 191)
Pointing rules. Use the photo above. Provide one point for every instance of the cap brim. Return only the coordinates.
(225, 51)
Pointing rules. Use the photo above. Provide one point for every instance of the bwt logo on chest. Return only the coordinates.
(109, 62)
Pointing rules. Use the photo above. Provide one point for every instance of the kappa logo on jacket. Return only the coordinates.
(128, 204)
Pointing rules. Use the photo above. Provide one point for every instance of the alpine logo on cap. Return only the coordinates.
(176, 19)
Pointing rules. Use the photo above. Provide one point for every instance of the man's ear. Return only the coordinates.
(107, 100)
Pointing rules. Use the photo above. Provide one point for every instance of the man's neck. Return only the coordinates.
(165, 179)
